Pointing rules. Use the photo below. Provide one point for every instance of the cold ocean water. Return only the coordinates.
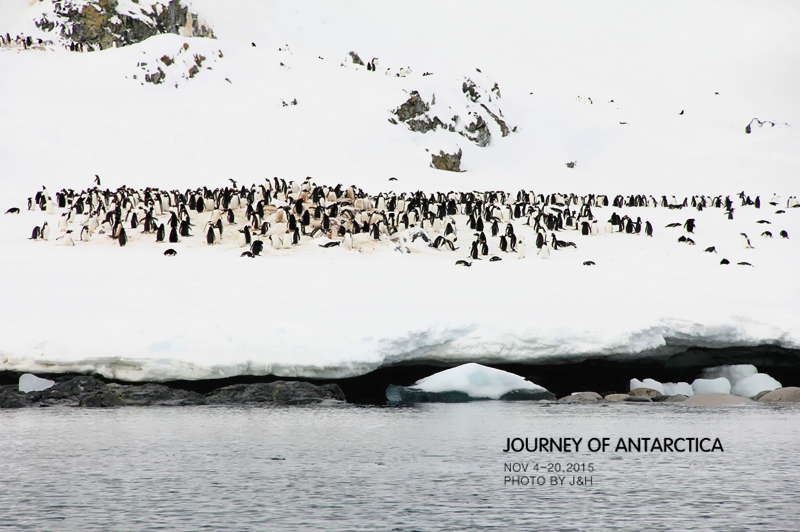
(426, 468)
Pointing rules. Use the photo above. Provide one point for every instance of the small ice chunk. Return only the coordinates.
(678, 388)
(476, 381)
(752, 385)
(648, 383)
(31, 383)
(719, 385)
(733, 373)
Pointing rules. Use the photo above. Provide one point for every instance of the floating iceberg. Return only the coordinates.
(678, 388)
(32, 383)
(468, 382)
(648, 383)
(752, 385)
(733, 373)
(719, 385)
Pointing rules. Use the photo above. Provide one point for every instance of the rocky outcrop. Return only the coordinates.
(96, 24)
(278, 392)
(157, 395)
(582, 397)
(409, 395)
(87, 391)
(447, 161)
(472, 118)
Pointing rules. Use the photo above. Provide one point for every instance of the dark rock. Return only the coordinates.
(423, 126)
(278, 392)
(503, 127)
(660, 398)
(71, 392)
(468, 88)
(157, 395)
(405, 395)
(412, 108)
(100, 25)
(104, 399)
(11, 397)
(478, 132)
(357, 60)
(447, 161)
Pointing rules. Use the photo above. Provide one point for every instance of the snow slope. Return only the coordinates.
(132, 314)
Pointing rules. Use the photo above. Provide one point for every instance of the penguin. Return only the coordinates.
(589, 263)
(474, 252)
(46, 231)
(173, 235)
(539, 240)
(36, 233)
(711, 249)
(170, 253)
(763, 222)
(521, 248)
(184, 228)
(256, 247)
(724, 261)
(160, 233)
(275, 241)
(675, 224)
(247, 254)
(743, 264)
(503, 243)
(210, 234)
(330, 244)
(784, 234)
(463, 263)
(85, 234)
(347, 241)
(689, 225)
(123, 237)
(67, 239)
(13, 210)
(648, 229)
(495, 258)
(544, 252)
(767, 234)
(746, 241)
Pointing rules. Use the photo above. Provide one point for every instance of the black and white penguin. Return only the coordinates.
(746, 241)
(170, 253)
(161, 233)
(711, 249)
(347, 241)
(184, 228)
(210, 234)
(767, 234)
(36, 233)
(784, 234)
(173, 235)
(123, 237)
(474, 251)
(13, 210)
(589, 263)
(256, 247)
(463, 263)
(689, 225)
(724, 261)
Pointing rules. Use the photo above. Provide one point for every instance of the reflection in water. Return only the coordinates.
(432, 467)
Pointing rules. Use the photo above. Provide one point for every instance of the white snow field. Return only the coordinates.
(476, 381)
(601, 84)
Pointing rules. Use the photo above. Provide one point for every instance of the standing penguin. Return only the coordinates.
(160, 233)
(648, 229)
(173, 235)
(544, 252)
(123, 237)
(521, 248)
(746, 241)
(348, 240)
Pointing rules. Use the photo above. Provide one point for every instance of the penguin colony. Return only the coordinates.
(278, 215)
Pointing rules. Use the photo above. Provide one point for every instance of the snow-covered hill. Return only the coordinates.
(650, 100)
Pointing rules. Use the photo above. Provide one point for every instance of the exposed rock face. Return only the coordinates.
(98, 24)
(356, 60)
(87, 391)
(407, 395)
(637, 399)
(447, 161)
(278, 392)
(616, 397)
(478, 109)
(715, 399)
(412, 108)
(157, 395)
